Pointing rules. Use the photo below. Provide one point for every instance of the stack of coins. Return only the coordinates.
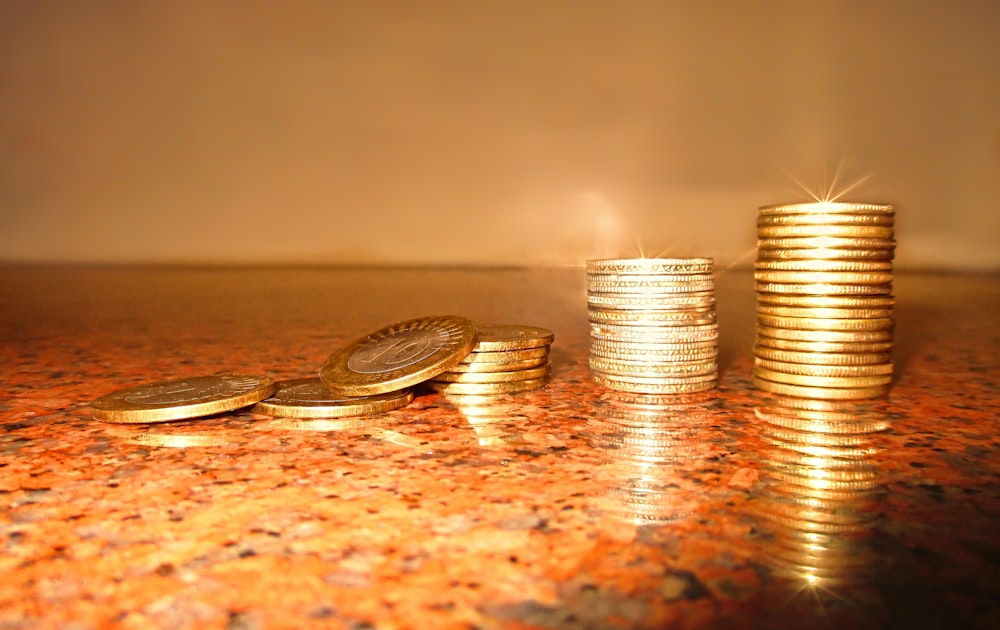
(653, 326)
(824, 300)
(506, 359)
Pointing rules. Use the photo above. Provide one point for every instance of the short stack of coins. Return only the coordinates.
(653, 326)
(824, 300)
(506, 359)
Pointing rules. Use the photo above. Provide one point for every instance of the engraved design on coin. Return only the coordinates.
(189, 391)
(397, 350)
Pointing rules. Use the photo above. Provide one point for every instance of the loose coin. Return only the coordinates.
(310, 398)
(496, 337)
(822, 381)
(505, 356)
(181, 399)
(493, 377)
(399, 356)
(481, 389)
(825, 370)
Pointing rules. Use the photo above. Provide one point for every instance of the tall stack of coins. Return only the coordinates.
(824, 300)
(653, 326)
(506, 359)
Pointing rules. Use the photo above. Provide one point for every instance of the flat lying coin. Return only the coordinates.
(399, 356)
(507, 366)
(181, 399)
(497, 337)
(310, 398)
(505, 356)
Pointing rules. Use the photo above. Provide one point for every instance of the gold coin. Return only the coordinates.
(482, 389)
(687, 368)
(655, 334)
(824, 265)
(824, 289)
(825, 346)
(656, 356)
(493, 377)
(509, 366)
(505, 356)
(653, 388)
(661, 303)
(827, 253)
(503, 337)
(825, 219)
(822, 381)
(856, 336)
(825, 242)
(649, 289)
(826, 207)
(821, 358)
(825, 277)
(690, 317)
(399, 356)
(825, 370)
(651, 265)
(827, 301)
(815, 323)
(657, 379)
(839, 231)
(806, 312)
(309, 398)
(180, 399)
(639, 346)
(822, 393)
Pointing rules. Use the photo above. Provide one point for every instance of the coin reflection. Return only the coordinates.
(144, 437)
(821, 494)
(652, 447)
(492, 417)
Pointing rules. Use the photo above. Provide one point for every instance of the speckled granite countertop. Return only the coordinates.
(559, 508)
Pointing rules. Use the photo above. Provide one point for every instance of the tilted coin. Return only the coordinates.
(826, 207)
(825, 313)
(310, 398)
(815, 323)
(823, 288)
(827, 301)
(817, 218)
(840, 231)
(687, 317)
(399, 356)
(826, 242)
(857, 336)
(828, 277)
(651, 265)
(822, 381)
(821, 358)
(494, 377)
(488, 388)
(860, 347)
(180, 399)
(497, 337)
(505, 356)
(825, 370)
(827, 253)
(508, 366)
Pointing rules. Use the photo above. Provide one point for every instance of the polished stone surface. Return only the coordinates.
(567, 507)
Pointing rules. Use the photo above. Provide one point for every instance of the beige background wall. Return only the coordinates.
(484, 132)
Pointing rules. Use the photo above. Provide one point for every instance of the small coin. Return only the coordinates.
(827, 301)
(825, 346)
(505, 356)
(827, 253)
(399, 356)
(826, 207)
(821, 358)
(825, 277)
(651, 265)
(690, 317)
(180, 399)
(482, 389)
(653, 388)
(875, 369)
(508, 366)
(824, 218)
(824, 289)
(821, 393)
(494, 377)
(505, 337)
(822, 381)
(839, 231)
(823, 312)
(855, 336)
(309, 398)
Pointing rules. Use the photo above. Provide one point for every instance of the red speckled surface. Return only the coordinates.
(549, 509)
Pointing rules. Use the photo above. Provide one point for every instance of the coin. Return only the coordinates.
(839, 231)
(822, 381)
(651, 265)
(655, 334)
(827, 253)
(628, 289)
(625, 367)
(497, 366)
(494, 377)
(825, 219)
(641, 346)
(823, 312)
(309, 398)
(826, 207)
(821, 358)
(656, 356)
(828, 277)
(488, 388)
(825, 370)
(180, 399)
(496, 337)
(857, 336)
(657, 379)
(827, 301)
(399, 356)
(825, 346)
(816, 323)
(654, 388)
(705, 299)
(824, 265)
(824, 289)
(690, 317)
(505, 356)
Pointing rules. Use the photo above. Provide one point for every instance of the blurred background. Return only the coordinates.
(506, 132)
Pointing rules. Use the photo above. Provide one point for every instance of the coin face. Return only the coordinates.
(399, 356)
(181, 399)
(310, 398)
(497, 337)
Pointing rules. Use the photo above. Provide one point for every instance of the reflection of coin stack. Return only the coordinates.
(652, 324)
(821, 491)
(824, 300)
(506, 359)
(652, 443)
(493, 418)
